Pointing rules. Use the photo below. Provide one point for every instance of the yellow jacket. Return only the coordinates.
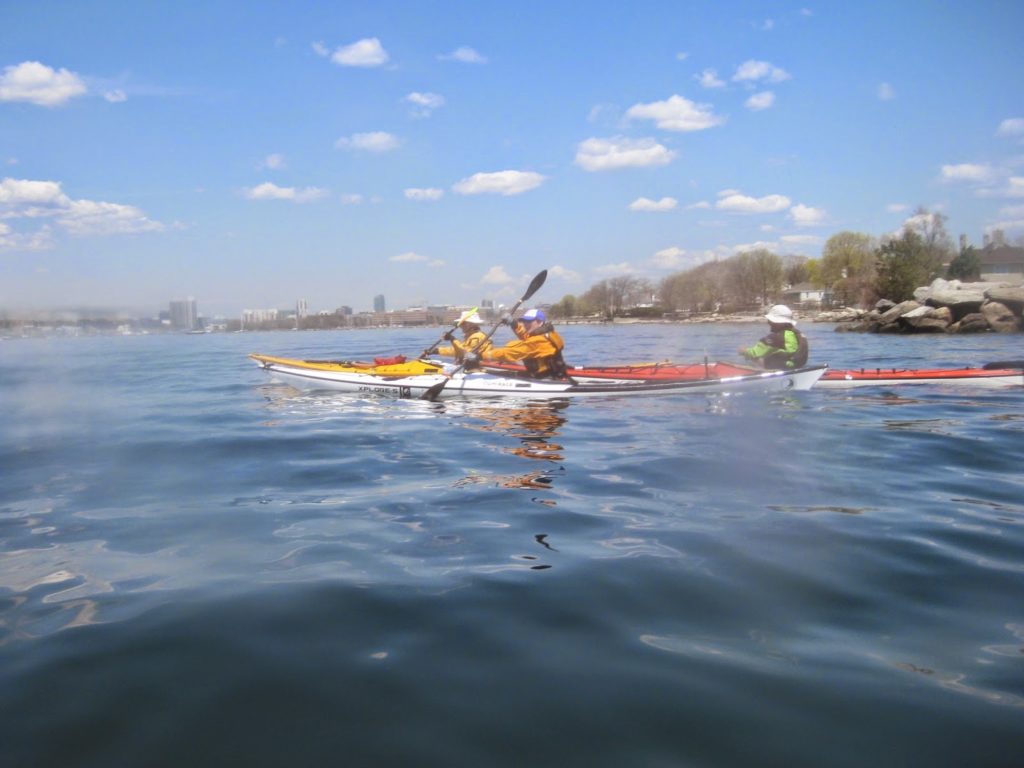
(541, 353)
(471, 343)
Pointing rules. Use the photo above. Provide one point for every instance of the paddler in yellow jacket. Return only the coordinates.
(472, 338)
(785, 347)
(538, 346)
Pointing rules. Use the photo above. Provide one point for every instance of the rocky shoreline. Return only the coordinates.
(945, 306)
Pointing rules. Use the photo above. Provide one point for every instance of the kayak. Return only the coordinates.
(831, 379)
(974, 377)
(412, 379)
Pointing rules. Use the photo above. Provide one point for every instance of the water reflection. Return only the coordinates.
(535, 427)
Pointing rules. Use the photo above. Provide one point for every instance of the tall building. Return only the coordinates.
(184, 315)
(301, 309)
(378, 303)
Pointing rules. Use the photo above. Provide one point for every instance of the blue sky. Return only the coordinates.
(250, 154)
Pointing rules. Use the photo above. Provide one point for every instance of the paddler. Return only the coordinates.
(472, 338)
(538, 345)
(784, 347)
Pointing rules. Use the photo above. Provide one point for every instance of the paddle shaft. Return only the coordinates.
(535, 284)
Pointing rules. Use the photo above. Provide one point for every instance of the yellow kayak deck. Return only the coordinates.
(405, 368)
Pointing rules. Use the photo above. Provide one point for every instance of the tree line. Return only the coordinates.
(858, 268)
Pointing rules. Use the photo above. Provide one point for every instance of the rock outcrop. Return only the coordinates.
(945, 306)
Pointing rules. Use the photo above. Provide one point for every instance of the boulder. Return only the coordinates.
(972, 323)
(925, 324)
(891, 315)
(883, 305)
(927, 320)
(999, 317)
(1008, 296)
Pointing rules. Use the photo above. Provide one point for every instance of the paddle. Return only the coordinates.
(1000, 364)
(535, 284)
(467, 313)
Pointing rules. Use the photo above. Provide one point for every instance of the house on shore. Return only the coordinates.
(1001, 262)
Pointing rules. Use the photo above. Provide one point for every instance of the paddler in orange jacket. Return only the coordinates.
(538, 346)
(473, 339)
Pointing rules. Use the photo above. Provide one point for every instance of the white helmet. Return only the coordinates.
(470, 317)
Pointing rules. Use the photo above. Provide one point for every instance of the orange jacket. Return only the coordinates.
(541, 353)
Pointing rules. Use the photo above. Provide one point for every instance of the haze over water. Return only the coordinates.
(199, 566)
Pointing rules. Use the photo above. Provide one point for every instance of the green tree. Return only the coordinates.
(848, 263)
(904, 264)
(966, 266)
(567, 306)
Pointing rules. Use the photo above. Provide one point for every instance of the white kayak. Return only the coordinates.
(413, 379)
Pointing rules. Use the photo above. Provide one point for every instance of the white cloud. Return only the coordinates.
(428, 193)
(499, 183)
(801, 239)
(886, 92)
(977, 172)
(669, 258)
(39, 84)
(759, 101)
(274, 162)
(806, 216)
(1012, 211)
(320, 49)
(86, 217)
(682, 56)
(736, 203)
(1014, 187)
(374, 141)
(19, 193)
(351, 198)
(270, 191)
(709, 79)
(702, 205)
(29, 199)
(424, 104)
(619, 152)
(753, 71)
(411, 257)
(622, 268)
(896, 207)
(497, 276)
(465, 55)
(645, 204)
(116, 96)
(564, 273)
(1013, 126)
(408, 257)
(367, 52)
(676, 114)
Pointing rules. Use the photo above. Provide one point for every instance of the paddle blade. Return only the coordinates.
(535, 285)
(999, 365)
(434, 391)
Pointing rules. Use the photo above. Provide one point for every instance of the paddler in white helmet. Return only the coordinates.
(472, 338)
(784, 347)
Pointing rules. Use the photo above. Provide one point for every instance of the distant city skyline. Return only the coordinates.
(453, 150)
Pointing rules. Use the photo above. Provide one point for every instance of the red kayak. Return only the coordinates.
(989, 376)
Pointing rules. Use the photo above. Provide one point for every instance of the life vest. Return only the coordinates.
(549, 365)
(781, 359)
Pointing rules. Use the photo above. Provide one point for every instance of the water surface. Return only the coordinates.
(199, 566)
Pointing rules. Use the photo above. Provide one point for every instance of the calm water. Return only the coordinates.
(200, 567)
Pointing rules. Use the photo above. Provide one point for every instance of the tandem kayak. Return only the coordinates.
(413, 378)
(831, 379)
